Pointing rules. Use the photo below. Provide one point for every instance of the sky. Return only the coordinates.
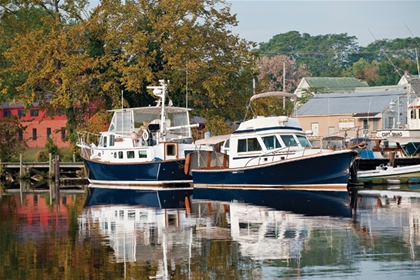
(367, 20)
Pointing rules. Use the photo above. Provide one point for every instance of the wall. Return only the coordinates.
(326, 122)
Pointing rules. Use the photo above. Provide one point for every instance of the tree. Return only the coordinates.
(47, 55)
(271, 70)
(126, 47)
(324, 55)
(363, 70)
(10, 143)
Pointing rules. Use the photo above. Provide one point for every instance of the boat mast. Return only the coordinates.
(160, 91)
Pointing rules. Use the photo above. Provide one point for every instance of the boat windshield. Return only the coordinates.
(289, 140)
(304, 141)
(271, 142)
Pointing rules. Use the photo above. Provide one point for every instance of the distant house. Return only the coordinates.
(40, 125)
(329, 84)
(358, 113)
(413, 81)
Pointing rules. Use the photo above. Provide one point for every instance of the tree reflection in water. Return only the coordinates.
(68, 238)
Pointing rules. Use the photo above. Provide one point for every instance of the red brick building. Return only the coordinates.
(40, 125)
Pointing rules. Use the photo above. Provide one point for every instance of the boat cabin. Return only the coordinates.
(263, 139)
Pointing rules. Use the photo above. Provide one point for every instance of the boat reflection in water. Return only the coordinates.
(306, 202)
(137, 223)
(170, 233)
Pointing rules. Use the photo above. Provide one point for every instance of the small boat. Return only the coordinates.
(269, 153)
(143, 146)
(386, 174)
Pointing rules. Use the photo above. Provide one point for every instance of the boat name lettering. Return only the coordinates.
(393, 134)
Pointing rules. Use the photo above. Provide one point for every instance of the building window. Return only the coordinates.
(20, 136)
(63, 133)
(48, 132)
(390, 122)
(60, 112)
(33, 133)
(50, 112)
(34, 113)
(331, 130)
(7, 113)
(21, 113)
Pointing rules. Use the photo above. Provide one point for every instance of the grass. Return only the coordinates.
(29, 155)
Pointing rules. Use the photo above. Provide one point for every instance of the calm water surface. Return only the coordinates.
(74, 235)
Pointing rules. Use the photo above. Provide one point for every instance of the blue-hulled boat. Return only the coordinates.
(269, 153)
(143, 146)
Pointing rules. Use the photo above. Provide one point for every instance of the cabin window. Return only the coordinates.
(120, 154)
(170, 150)
(253, 145)
(248, 145)
(143, 154)
(271, 142)
(413, 114)
(105, 141)
(241, 145)
(289, 140)
(111, 140)
(227, 143)
(304, 141)
(130, 154)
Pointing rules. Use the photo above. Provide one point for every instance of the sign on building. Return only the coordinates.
(346, 123)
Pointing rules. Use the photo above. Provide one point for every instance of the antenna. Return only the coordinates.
(395, 67)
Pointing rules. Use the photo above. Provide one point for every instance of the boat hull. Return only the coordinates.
(156, 173)
(157, 198)
(310, 203)
(330, 171)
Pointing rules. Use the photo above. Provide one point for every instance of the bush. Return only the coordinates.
(50, 148)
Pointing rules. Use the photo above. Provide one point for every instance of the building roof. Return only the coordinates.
(336, 84)
(380, 88)
(362, 103)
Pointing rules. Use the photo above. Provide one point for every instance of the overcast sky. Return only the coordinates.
(367, 20)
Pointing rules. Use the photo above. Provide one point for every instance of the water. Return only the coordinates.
(45, 235)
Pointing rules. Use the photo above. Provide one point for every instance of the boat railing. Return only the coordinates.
(269, 153)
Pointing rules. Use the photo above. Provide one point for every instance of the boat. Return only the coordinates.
(386, 174)
(144, 146)
(269, 153)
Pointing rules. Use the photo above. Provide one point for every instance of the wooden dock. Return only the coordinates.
(63, 173)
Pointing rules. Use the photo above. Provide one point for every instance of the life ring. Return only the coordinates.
(145, 135)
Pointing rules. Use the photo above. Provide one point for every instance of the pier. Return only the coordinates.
(63, 173)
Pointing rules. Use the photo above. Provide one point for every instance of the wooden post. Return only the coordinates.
(21, 166)
(57, 170)
(50, 167)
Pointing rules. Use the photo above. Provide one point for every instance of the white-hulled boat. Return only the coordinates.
(143, 146)
(270, 153)
(385, 174)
